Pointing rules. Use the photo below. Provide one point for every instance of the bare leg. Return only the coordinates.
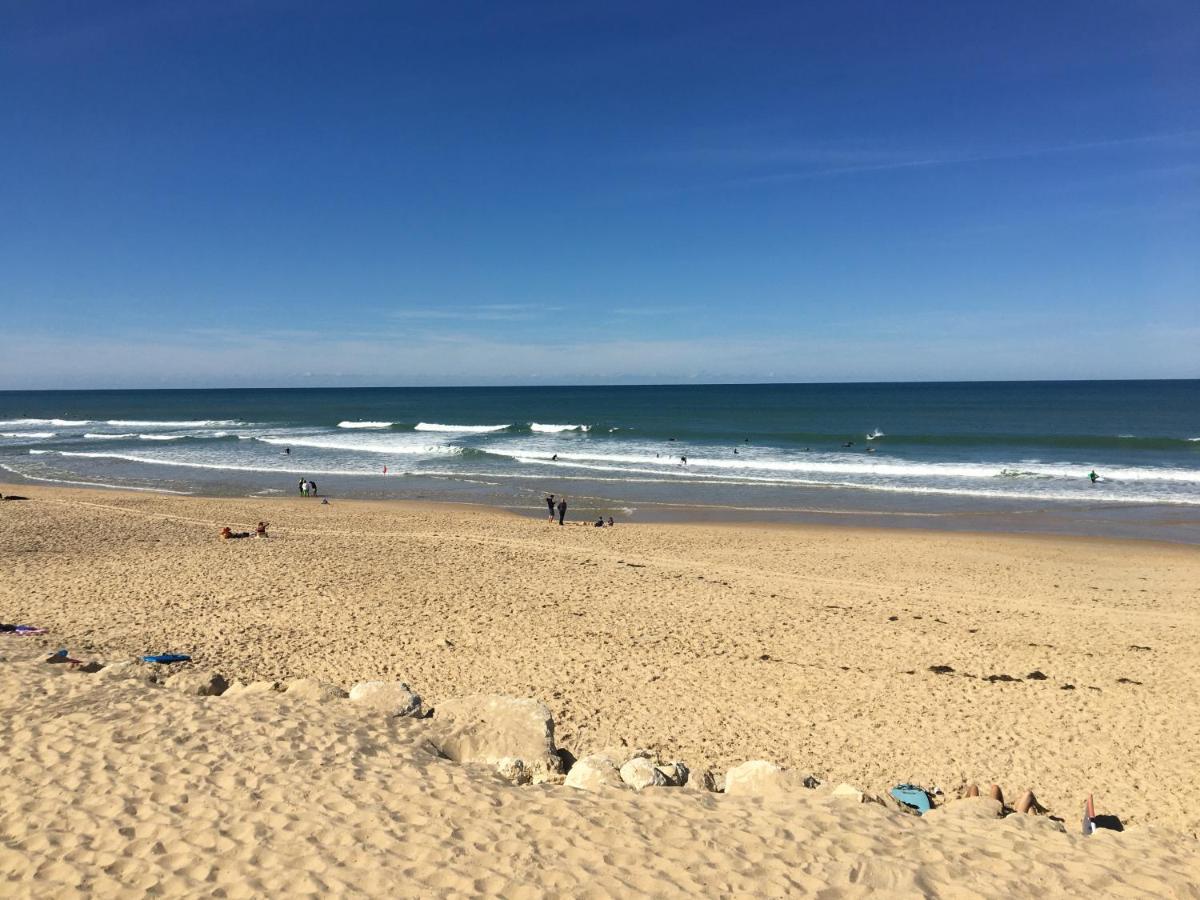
(1029, 804)
(972, 790)
(996, 794)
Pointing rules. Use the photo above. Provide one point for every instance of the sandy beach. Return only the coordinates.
(865, 657)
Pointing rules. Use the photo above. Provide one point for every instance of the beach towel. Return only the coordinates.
(912, 796)
(166, 658)
(21, 630)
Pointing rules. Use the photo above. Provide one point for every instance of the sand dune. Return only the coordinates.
(809, 647)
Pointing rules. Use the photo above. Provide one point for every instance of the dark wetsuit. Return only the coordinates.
(562, 511)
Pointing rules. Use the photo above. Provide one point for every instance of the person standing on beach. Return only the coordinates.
(303, 488)
(312, 488)
(562, 509)
(550, 506)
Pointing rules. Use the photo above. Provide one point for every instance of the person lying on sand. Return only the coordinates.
(1027, 804)
(227, 533)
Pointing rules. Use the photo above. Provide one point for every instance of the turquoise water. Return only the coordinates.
(926, 448)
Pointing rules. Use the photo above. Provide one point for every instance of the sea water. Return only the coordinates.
(960, 452)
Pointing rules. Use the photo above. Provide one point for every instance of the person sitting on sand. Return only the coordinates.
(599, 522)
(261, 530)
(610, 522)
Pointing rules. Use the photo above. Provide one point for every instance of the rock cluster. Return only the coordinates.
(515, 736)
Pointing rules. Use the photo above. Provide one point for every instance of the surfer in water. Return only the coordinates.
(684, 460)
(1093, 477)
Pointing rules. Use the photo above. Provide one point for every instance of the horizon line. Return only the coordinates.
(648, 384)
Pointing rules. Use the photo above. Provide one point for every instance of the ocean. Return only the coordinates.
(1010, 455)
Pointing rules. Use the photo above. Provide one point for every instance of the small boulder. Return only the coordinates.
(850, 793)
(639, 773)
(392, 698)
(488, 727)
(759, 778)
(513, 770)
(314, 690)
(198, 683)
(594, 774)
(701, 780)
(676, 774)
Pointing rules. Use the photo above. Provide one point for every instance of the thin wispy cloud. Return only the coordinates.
(899, 162)
(483, 312)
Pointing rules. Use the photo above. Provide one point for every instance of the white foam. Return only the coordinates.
(37, 435)
(99, 436)
(61, 423)
(409, 444)
(162, 437)
(466, 429)
(364, 425)
(101, 484)
(554, 429)
(155, 423)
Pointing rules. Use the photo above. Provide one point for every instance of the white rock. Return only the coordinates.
(513, 770)
(312, 689)
(488, 727)
(594, 774)
(199, 683)
(639, 773)
(393, 698)
(759, 778)
(849, 792)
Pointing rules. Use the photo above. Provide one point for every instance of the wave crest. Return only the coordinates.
(465, 429)
(554, 429)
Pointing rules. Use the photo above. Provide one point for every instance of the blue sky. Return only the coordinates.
(274, 193)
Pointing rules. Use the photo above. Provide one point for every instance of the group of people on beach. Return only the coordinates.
(308, 488)
(560, 507)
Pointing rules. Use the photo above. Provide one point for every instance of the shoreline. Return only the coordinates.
(1049, 523)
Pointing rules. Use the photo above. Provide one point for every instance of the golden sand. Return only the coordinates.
(811, 647)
